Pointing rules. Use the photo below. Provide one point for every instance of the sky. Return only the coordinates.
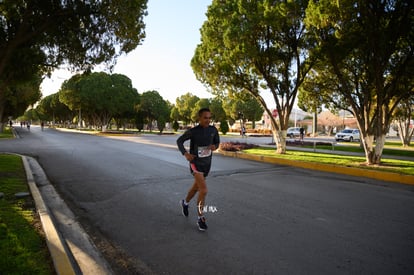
(162, 61)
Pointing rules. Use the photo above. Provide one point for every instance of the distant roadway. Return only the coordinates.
(262, 218)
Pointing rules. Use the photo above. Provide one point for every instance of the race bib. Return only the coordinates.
(204, 151)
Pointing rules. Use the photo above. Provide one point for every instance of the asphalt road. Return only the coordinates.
(263, 219)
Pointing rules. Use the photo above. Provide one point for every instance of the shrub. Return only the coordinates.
(236, 146)
(224, 127)
(175, 126)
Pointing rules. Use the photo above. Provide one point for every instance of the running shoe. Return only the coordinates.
(185, 208)
(202, 226)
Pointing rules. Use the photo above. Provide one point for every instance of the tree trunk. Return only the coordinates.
(379, 147)
(280, 140)
(330, 129)
(373, 154)
(314, 124)
(405, 132)
(368, 144)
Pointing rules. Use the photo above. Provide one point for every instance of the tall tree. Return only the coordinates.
(99, 93)
(217, 111)
(185, 105)
(366, 50)
(124, 100)
(38, 36)
(330, 121)
(404, 116)
(153, 108)
(19, 97)
(243, 107)
(45, 110)
(252, 110)
(99, 97)
(51, 109)
(201, 103)
(174, 115)
(70, 93)
(164, 117)
(256, 47)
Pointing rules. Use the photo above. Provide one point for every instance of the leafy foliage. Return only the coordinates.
(224, 127)
(100, 97)
(255, 47)
(366, 61)
(15, 99)
(38, 36)
(153, 108)
(243, 106)
(185, 106)
(404, 115)
(175, 126)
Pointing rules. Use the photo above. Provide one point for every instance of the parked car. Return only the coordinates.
(293, 132)
(348, 135)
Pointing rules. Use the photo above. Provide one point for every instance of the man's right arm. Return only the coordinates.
(182, 139)
(180, 144)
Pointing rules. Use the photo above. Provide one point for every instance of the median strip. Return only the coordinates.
(352, 171)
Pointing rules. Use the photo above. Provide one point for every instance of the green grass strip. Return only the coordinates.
(7, 133)
(390, 165)
(391, 149)
(23, 249)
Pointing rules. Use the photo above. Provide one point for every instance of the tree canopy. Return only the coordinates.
(256, 47)
(184, 107)
(243, 107)
(52, 109)
(38, 36)
(366, 65)
(20, 96)
(154, 108)
(99, 96)
(404, 116)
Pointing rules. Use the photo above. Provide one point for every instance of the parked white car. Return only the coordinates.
(293, 132)
(348, 135)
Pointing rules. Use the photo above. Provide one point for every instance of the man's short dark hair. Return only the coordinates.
(202, 110)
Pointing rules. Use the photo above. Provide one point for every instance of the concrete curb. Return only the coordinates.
(71, 249)
(352, 171)
(57, 249)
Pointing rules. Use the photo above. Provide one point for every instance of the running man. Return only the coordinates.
(204, 139)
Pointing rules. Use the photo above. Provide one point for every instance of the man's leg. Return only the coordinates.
(200, 181)
(202, 192)
(184, 203)
(191, 192)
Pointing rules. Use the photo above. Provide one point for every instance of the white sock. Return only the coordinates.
(185, 203)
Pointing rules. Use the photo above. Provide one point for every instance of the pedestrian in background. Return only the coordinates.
(302, 133)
